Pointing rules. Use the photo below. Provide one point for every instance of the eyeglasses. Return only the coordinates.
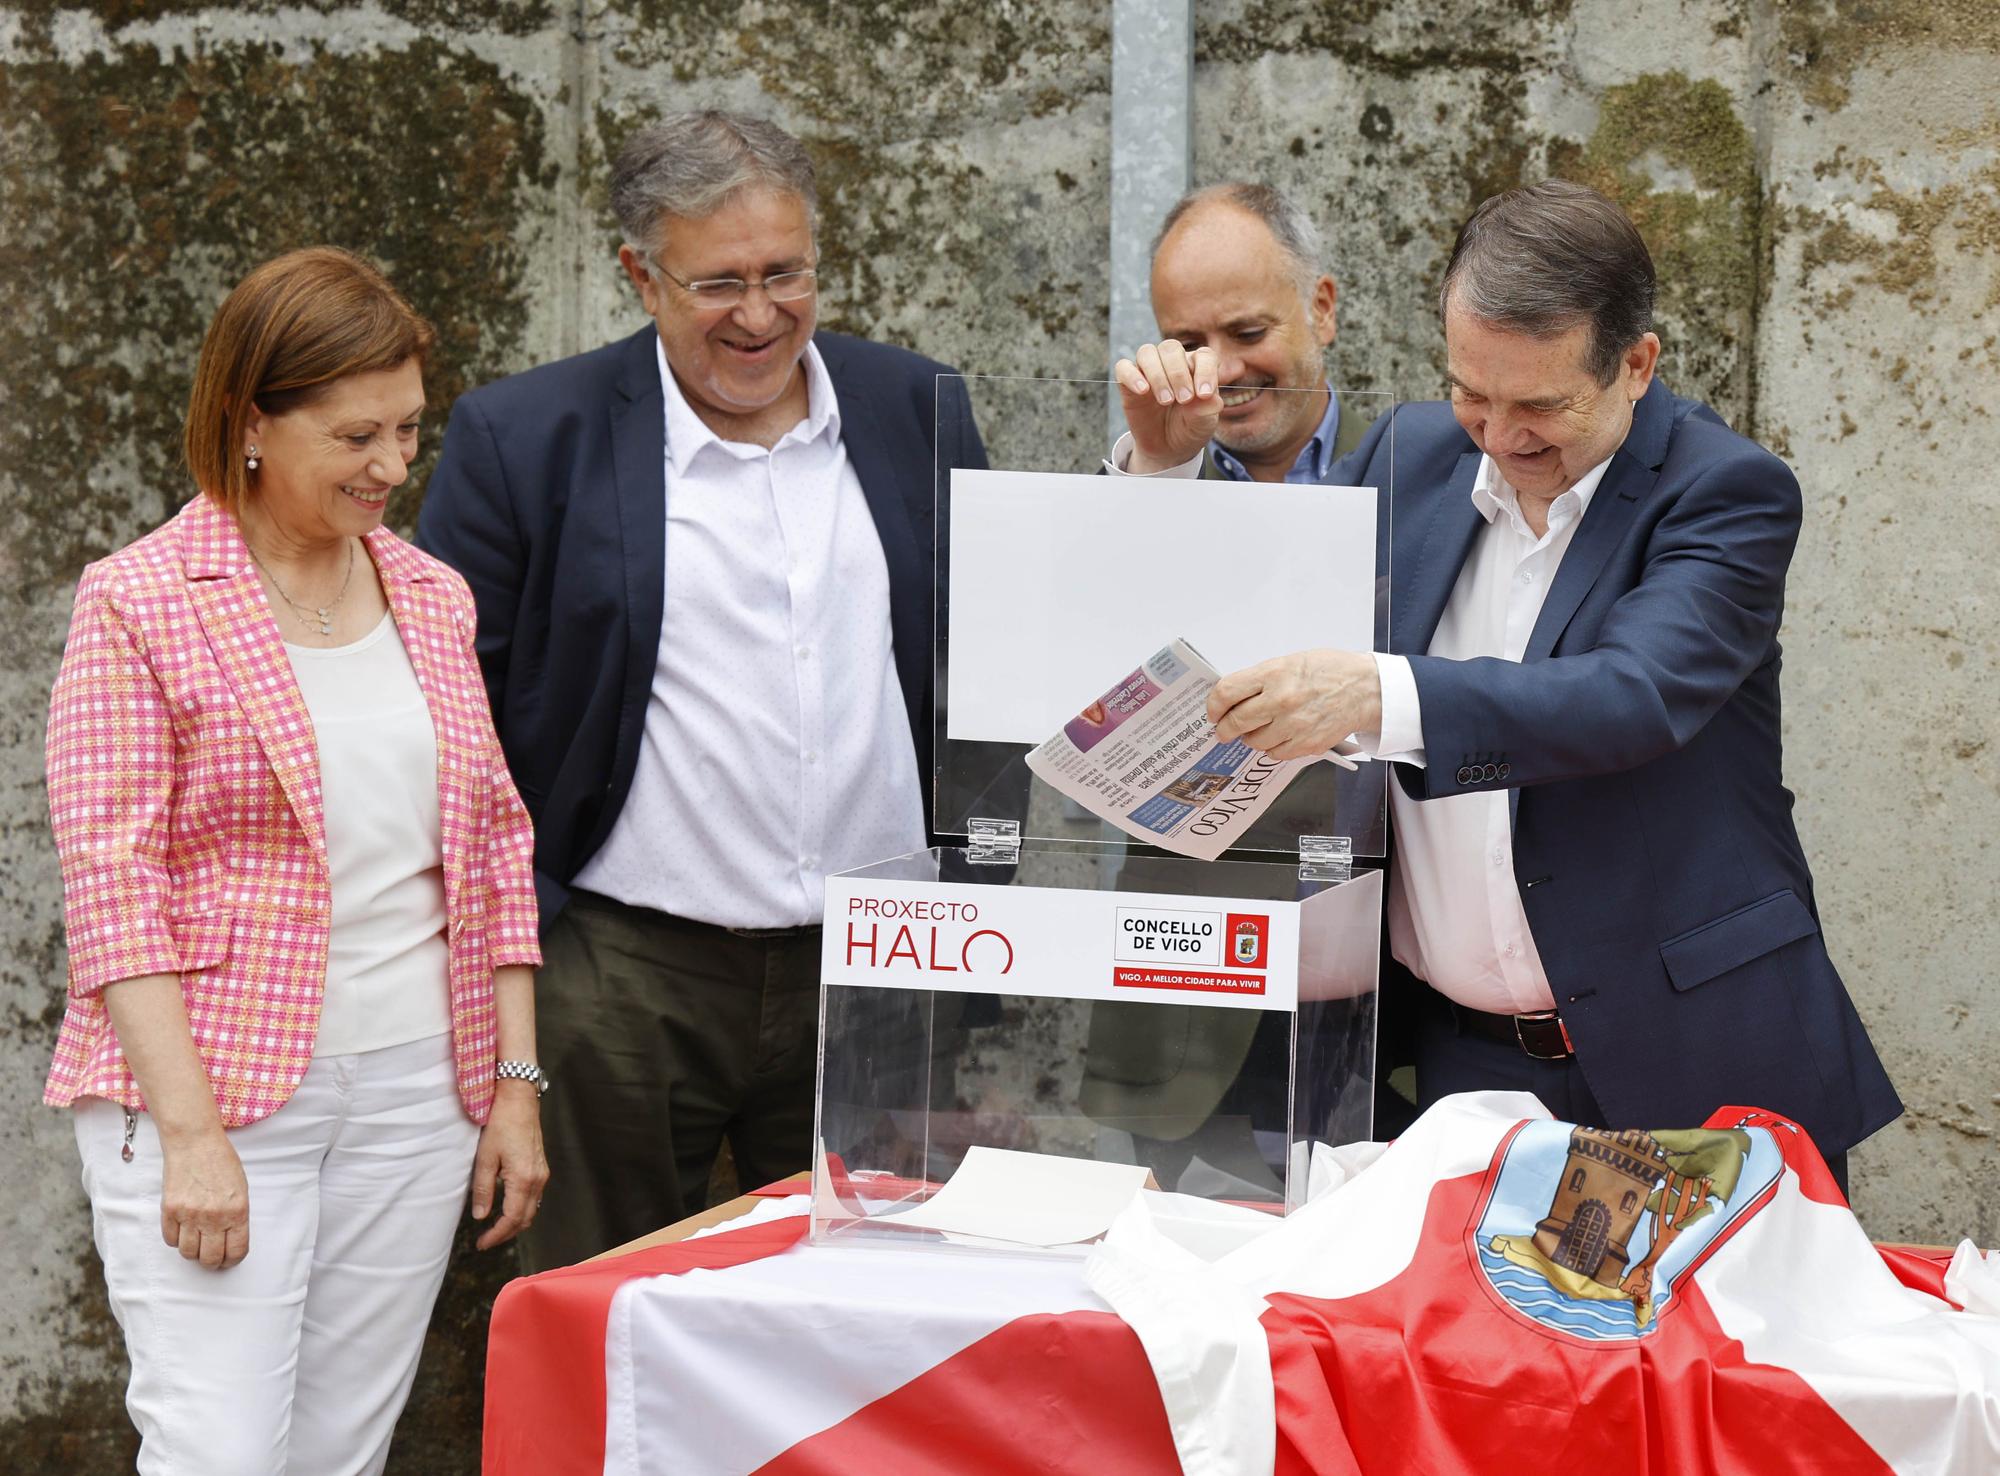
(727, 292)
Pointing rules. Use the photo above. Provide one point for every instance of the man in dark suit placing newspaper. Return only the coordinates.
(1597, 890)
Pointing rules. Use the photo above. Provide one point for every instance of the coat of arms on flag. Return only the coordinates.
(1587, 1230)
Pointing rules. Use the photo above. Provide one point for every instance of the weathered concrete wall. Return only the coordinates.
(1876, 372)
(1818, 179)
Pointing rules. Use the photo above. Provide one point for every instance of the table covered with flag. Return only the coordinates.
(1495, 1292)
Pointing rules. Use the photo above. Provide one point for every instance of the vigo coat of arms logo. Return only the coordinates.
(1588, 1230)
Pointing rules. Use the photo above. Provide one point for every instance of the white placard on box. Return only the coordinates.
(1061, 944)
(1056, 579)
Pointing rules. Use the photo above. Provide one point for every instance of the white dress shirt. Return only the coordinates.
(386, 956)
(1455, 915)
(777, 747)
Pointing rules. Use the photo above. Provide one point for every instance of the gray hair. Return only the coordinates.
(689, 165)
(1289, 225)
(1541, 260)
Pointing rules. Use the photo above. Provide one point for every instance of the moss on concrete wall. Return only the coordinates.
(509, 17)
(1675, 154)
(1828, 41)
(141, 187)
(876, 70)
(1915, 233)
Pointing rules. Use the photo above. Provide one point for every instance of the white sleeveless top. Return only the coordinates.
(386, 967)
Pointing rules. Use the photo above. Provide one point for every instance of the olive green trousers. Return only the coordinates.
(662, 1039)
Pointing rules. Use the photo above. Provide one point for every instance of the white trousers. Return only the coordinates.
(296, 1361)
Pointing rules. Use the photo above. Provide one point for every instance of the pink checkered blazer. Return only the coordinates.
(184, 790)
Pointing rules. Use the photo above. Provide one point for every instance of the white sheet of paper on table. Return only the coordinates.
(999, 1194)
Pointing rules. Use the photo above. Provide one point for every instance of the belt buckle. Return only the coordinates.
(1541, 1017)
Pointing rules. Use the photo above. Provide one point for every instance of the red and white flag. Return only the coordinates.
(1490, 1294)
(1500, 1292)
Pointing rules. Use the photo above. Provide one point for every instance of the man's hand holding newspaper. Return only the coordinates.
(1146, 757)
(1301, 705)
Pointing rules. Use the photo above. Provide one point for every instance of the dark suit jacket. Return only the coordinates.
(548, 498)
(1653, 840)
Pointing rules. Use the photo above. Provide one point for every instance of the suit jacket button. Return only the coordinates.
(1504, 771)
(1465, 776)
(1491, 772)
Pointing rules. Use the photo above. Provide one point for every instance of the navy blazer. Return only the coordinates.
(1654, 848)
(549, 498)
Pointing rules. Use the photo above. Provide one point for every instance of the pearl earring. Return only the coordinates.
(251, 460)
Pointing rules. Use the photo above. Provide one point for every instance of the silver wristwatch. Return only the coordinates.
(523, 1071)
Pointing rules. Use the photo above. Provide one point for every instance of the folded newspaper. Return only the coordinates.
(1145, 757)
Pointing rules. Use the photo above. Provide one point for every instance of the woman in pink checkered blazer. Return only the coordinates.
(299, 903)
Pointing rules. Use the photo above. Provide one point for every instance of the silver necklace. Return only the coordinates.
(322, 615)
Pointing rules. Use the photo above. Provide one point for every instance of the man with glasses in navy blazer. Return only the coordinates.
(1597, 894)
(702, 559)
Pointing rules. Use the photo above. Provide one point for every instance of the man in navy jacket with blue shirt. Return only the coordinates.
(1596, 884)
(1239, 268)
(702, 559)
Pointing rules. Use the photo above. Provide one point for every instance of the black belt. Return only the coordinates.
(693, 925)
(1541, 1035)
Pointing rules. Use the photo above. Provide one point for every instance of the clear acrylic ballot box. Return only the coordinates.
(1042, 981)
